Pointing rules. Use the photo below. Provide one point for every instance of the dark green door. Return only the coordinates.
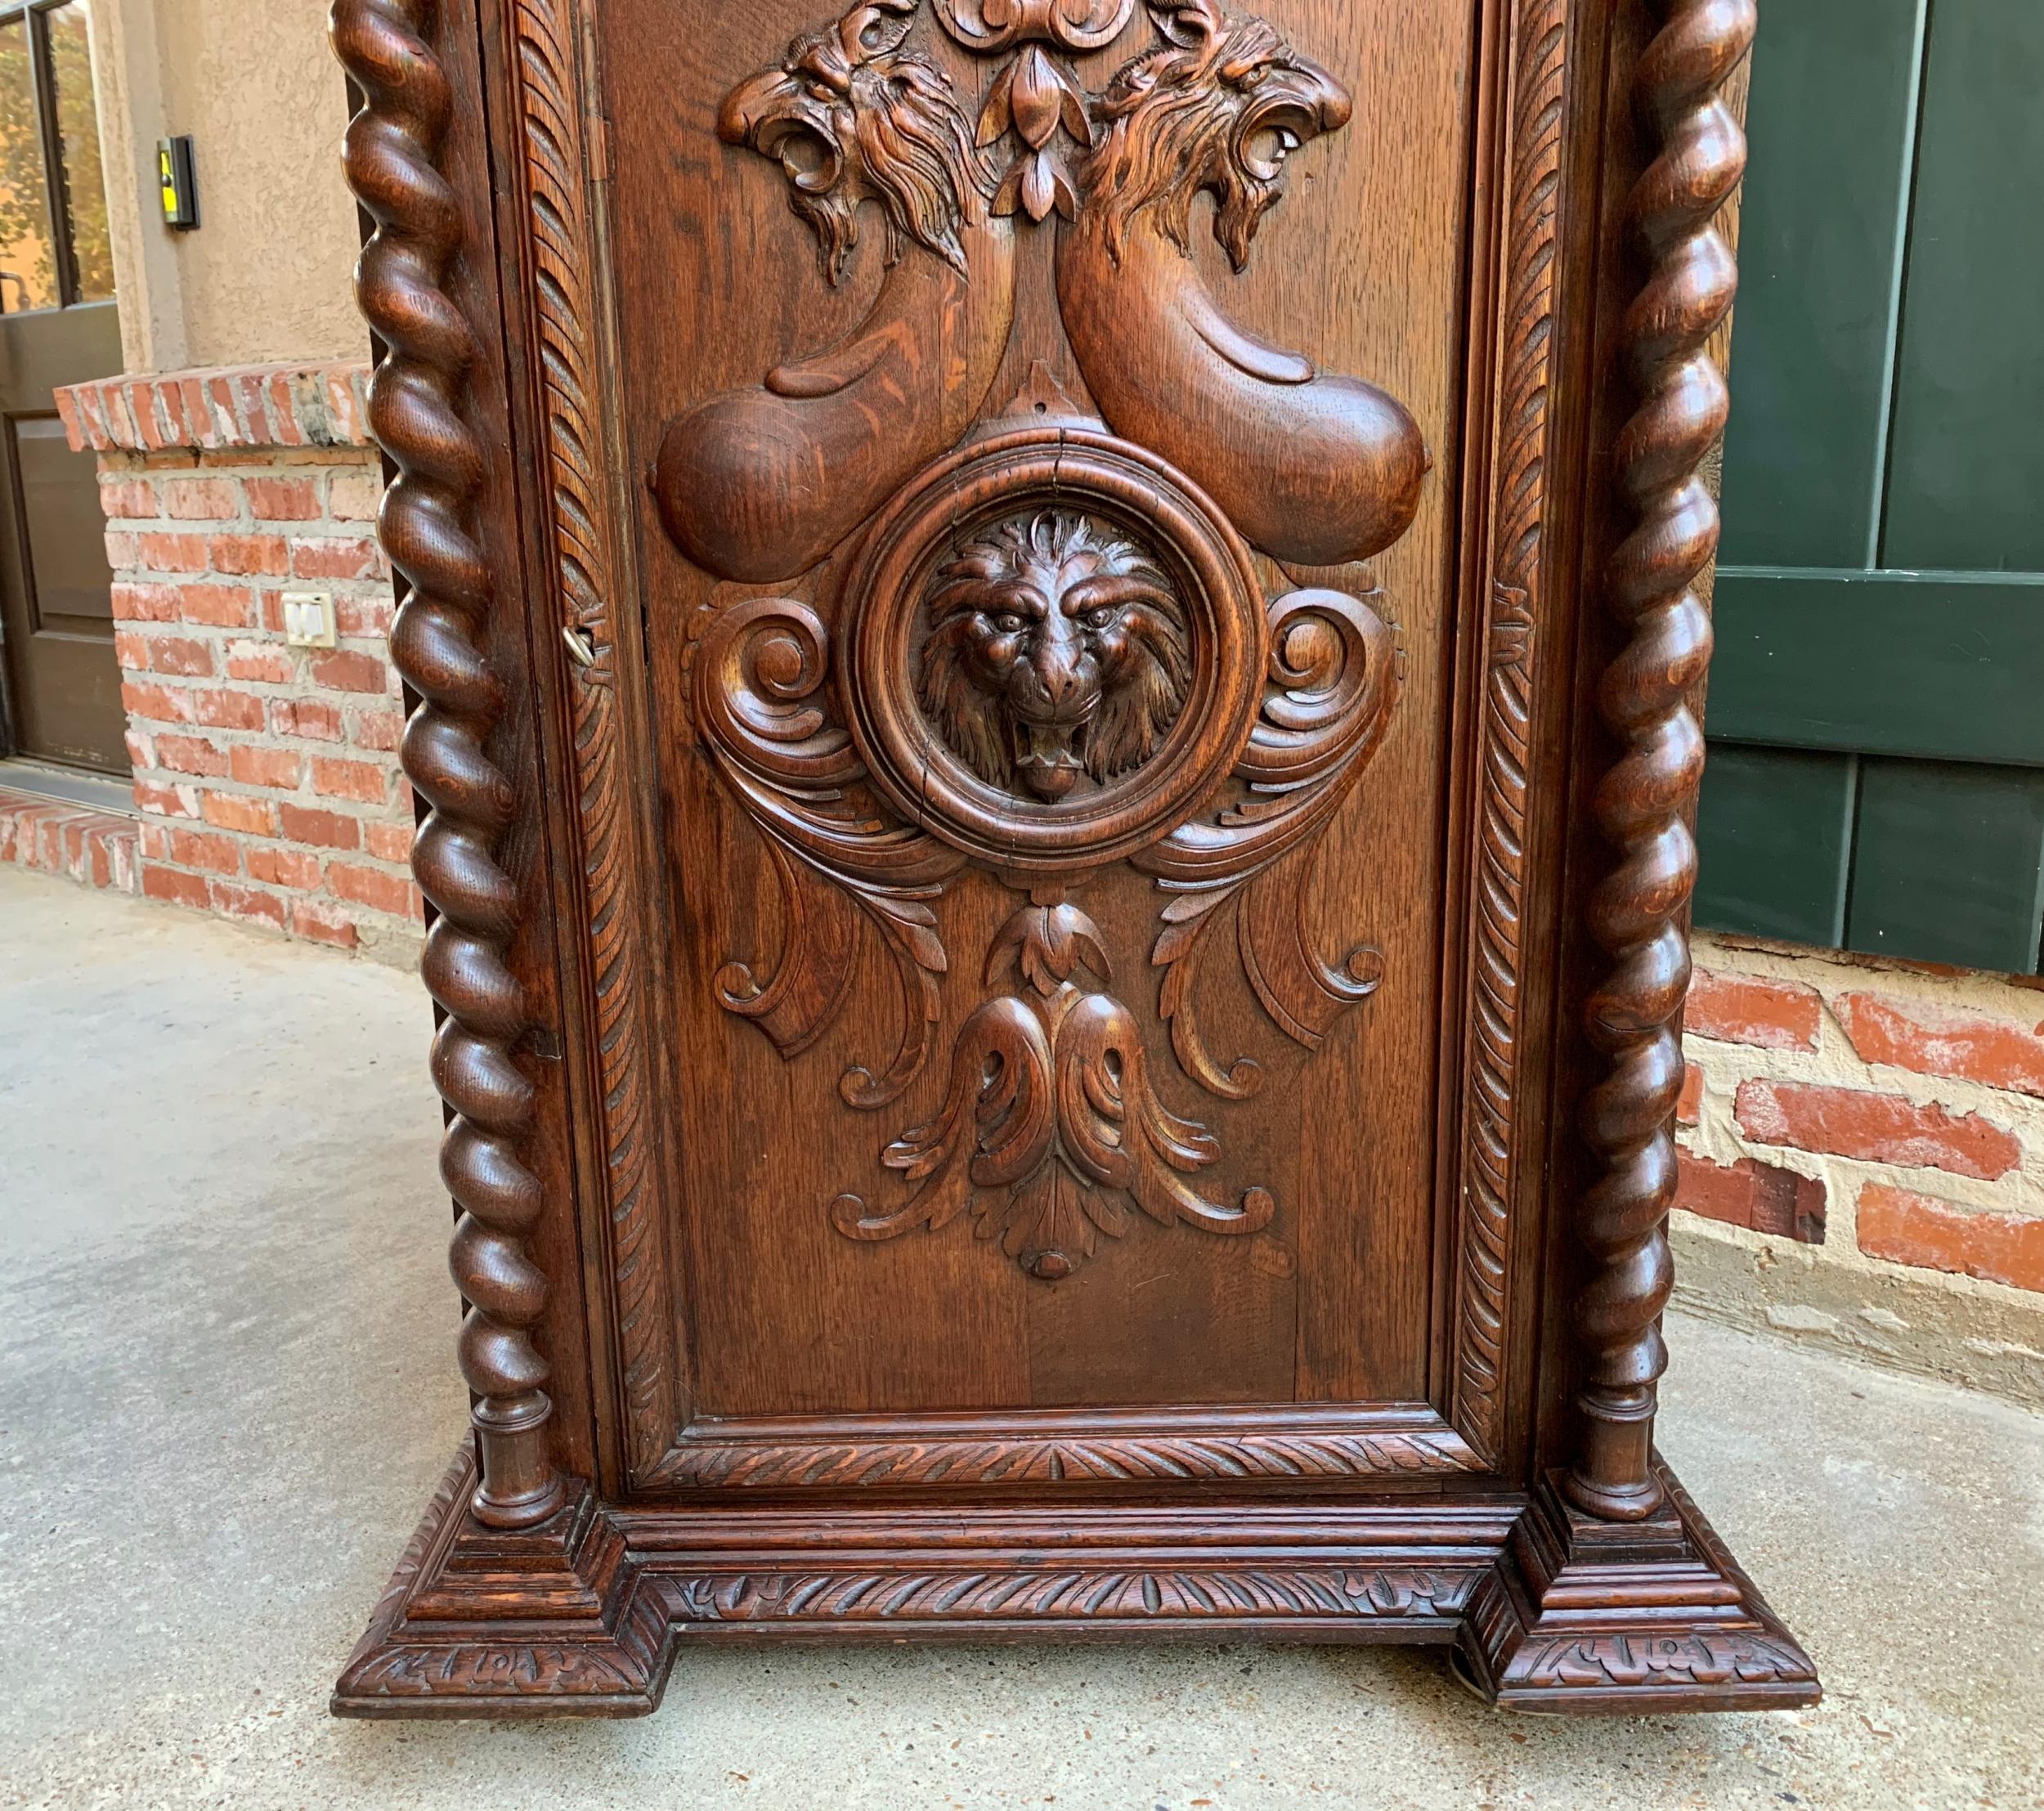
(58, 326)
(1876, 709)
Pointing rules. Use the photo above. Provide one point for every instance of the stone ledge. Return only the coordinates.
(1899, 1319)
(320, 404)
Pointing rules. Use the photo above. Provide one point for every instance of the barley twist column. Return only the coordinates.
(1639, 914)
(426, 528)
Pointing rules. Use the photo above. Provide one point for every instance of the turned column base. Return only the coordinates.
(478, 1621)
(1633, 1617)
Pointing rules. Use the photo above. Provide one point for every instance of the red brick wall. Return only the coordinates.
(266, 775)
(1893, 1115)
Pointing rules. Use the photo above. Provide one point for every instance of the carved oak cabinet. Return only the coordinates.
(1053, 644)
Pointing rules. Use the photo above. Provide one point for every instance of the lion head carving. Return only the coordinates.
(852, 117)
(1219, 107)
(1056, 650)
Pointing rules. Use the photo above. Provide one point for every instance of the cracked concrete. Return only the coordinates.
(226, 1390)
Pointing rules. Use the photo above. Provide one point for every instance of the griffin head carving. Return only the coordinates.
(1056, 650)
(852, 117)
(1218, 107)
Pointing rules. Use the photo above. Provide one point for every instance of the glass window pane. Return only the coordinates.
(28, 272)
(78, 119)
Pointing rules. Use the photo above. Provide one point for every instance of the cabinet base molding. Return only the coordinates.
(1549, 1609)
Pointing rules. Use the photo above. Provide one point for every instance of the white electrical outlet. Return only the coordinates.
(308, 619)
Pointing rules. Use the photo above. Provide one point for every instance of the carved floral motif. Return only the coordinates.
(1038, 98)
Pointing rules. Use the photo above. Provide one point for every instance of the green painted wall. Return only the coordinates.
(1876, 707)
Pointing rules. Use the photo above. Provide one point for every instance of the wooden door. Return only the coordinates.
(1049, 586)
(58, 326)
(64, 685)
(1876, 775)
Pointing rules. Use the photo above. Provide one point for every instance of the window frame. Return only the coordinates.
(56, 176)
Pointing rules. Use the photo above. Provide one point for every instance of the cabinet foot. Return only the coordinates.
(483, 1622)
(1635, 1617)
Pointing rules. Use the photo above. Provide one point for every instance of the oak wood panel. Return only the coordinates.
(1359, 1212)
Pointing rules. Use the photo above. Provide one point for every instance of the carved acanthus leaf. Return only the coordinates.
(706, 1458)
(1648, 1659)
(1051, 1096)
(760, 676)
(1012, 1594)
(1334, 674)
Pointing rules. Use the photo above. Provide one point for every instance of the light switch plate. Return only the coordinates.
(308, 619)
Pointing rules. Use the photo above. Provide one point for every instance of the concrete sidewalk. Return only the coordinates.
(218, 1163)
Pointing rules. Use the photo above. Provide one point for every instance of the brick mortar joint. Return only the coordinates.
(354, 909)
(1725, 1066)
(362, 913)
(2012, 1197)
(367, 930)
(1973, 1008)
(1835, 1061)
(1832, 972)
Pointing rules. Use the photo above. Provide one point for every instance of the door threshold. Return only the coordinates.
(68, 785)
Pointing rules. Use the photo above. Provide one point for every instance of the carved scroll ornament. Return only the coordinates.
(990, 26)
(1042, 647)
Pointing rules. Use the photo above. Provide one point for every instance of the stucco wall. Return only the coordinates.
(266, 275)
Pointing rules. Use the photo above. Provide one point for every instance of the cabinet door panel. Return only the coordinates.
(1050, 672)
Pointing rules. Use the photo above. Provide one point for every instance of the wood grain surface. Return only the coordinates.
(1360, 263)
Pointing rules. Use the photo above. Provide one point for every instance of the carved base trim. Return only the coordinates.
(1631, 1618)
(1551, 1611)
(1224, 1444)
